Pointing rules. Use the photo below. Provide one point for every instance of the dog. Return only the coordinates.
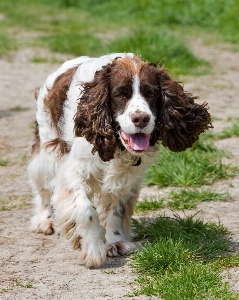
(99, 123)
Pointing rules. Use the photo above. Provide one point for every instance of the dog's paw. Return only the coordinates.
(93, 250)
(121, 248)
(42, 223)
(94, 255)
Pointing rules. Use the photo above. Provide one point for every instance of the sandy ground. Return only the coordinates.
(45, 267)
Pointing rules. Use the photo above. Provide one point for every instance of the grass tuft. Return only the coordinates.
(4, 163)
(207, 240)
(190, 198)
(15, 201)
(183, 259)
(199, 165)
(147, 205)
(19, 108)
(230, 131)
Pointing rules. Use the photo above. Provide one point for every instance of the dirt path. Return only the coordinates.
(45, 267)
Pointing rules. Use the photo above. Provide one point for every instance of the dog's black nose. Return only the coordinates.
(140, 119)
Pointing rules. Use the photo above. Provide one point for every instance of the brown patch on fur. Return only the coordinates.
(63, 147)
(57, 95)
(36, 145)
(132, 65)
(76, 243)
(54, 104)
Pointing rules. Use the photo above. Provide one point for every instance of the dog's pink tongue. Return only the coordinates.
(139, 141)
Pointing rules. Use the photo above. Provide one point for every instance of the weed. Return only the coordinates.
(112, 271)
(24, 285)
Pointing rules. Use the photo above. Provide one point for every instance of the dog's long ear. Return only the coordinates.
(180, 119)
(93, 118)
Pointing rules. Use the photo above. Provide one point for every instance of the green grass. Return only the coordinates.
(19, 108)
(7, 43)
(230, 131)
(4, 163)
(181, 199)
(183, 259)
(196, 166)
(91, 27)
(208, 15)
(9, 201)
(190, 198)
(147, 205)
(74, 43)
(207, 240)
(24, 285)
(160, 47)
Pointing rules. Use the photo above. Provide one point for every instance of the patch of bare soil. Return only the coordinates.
(45, 267)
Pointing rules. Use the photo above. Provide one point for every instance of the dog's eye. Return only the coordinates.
(122, 93)
(149, 91)
(150, 94)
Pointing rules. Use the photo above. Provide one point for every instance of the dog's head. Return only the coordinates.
(136, 104)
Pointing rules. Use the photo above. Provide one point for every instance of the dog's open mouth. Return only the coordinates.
(136, 142)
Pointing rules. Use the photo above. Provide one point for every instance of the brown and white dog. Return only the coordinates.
(98, 125)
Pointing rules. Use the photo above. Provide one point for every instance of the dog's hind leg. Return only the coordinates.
(41, 171)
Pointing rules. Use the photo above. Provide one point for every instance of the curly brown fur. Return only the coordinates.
(62, 146)
(180, 120)
(93, 118)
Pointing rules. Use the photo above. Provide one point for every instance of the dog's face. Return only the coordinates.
(138, 104)
(135, 100)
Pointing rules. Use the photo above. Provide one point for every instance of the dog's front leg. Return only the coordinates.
(76, 218)
(116, 218)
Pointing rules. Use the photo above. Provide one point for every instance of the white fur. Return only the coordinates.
(87, 195)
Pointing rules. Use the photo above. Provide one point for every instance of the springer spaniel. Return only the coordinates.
(98, 125)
